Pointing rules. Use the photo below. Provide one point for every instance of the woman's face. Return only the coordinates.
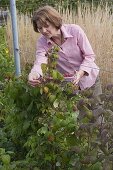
(48, 30)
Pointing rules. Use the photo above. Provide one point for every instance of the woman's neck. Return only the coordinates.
(58, 38)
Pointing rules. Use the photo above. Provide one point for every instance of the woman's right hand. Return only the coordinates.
(34, 79)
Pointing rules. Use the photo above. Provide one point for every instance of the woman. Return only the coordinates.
(76, 56)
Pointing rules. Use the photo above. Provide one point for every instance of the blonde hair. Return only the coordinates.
(44, 15)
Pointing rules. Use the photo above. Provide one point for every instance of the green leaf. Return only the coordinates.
(6, 159)
(36, 168)
(52, 98)
(54, 74)
(30, 106)
(48, 157)
(10, 152)
(58, 164)
(26, 125)
(97, 166)
(43, 130)
(44, 68)
(2, 151)
(73, 162)
(56, 103)
(41, 91)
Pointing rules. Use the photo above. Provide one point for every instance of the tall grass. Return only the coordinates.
(27, 38)
(97, 23)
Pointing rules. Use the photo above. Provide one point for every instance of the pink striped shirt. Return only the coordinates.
(75, 54)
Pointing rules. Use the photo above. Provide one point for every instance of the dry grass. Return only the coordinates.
(97, 24)
(27, 38)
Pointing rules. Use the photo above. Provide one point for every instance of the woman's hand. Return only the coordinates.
(78, 76)
(34, 79)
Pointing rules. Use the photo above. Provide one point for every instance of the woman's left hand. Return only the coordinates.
(78, 76)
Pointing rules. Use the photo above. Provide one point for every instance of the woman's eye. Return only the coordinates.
(46, 26)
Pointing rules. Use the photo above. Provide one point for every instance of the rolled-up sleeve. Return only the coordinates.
(87, 52)
(41, 50)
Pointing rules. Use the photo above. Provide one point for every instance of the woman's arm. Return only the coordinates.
(41, 50)
(36, 71)
(87, 52)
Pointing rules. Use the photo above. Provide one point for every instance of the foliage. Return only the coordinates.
(39, 115)
(49, 127)
(6, 69)
(6, 62)
(30, 5)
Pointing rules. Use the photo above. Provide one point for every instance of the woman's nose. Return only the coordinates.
(44, 29)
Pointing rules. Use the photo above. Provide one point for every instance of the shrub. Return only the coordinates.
(47, 127)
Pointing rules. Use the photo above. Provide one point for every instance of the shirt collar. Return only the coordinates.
(65, 33)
